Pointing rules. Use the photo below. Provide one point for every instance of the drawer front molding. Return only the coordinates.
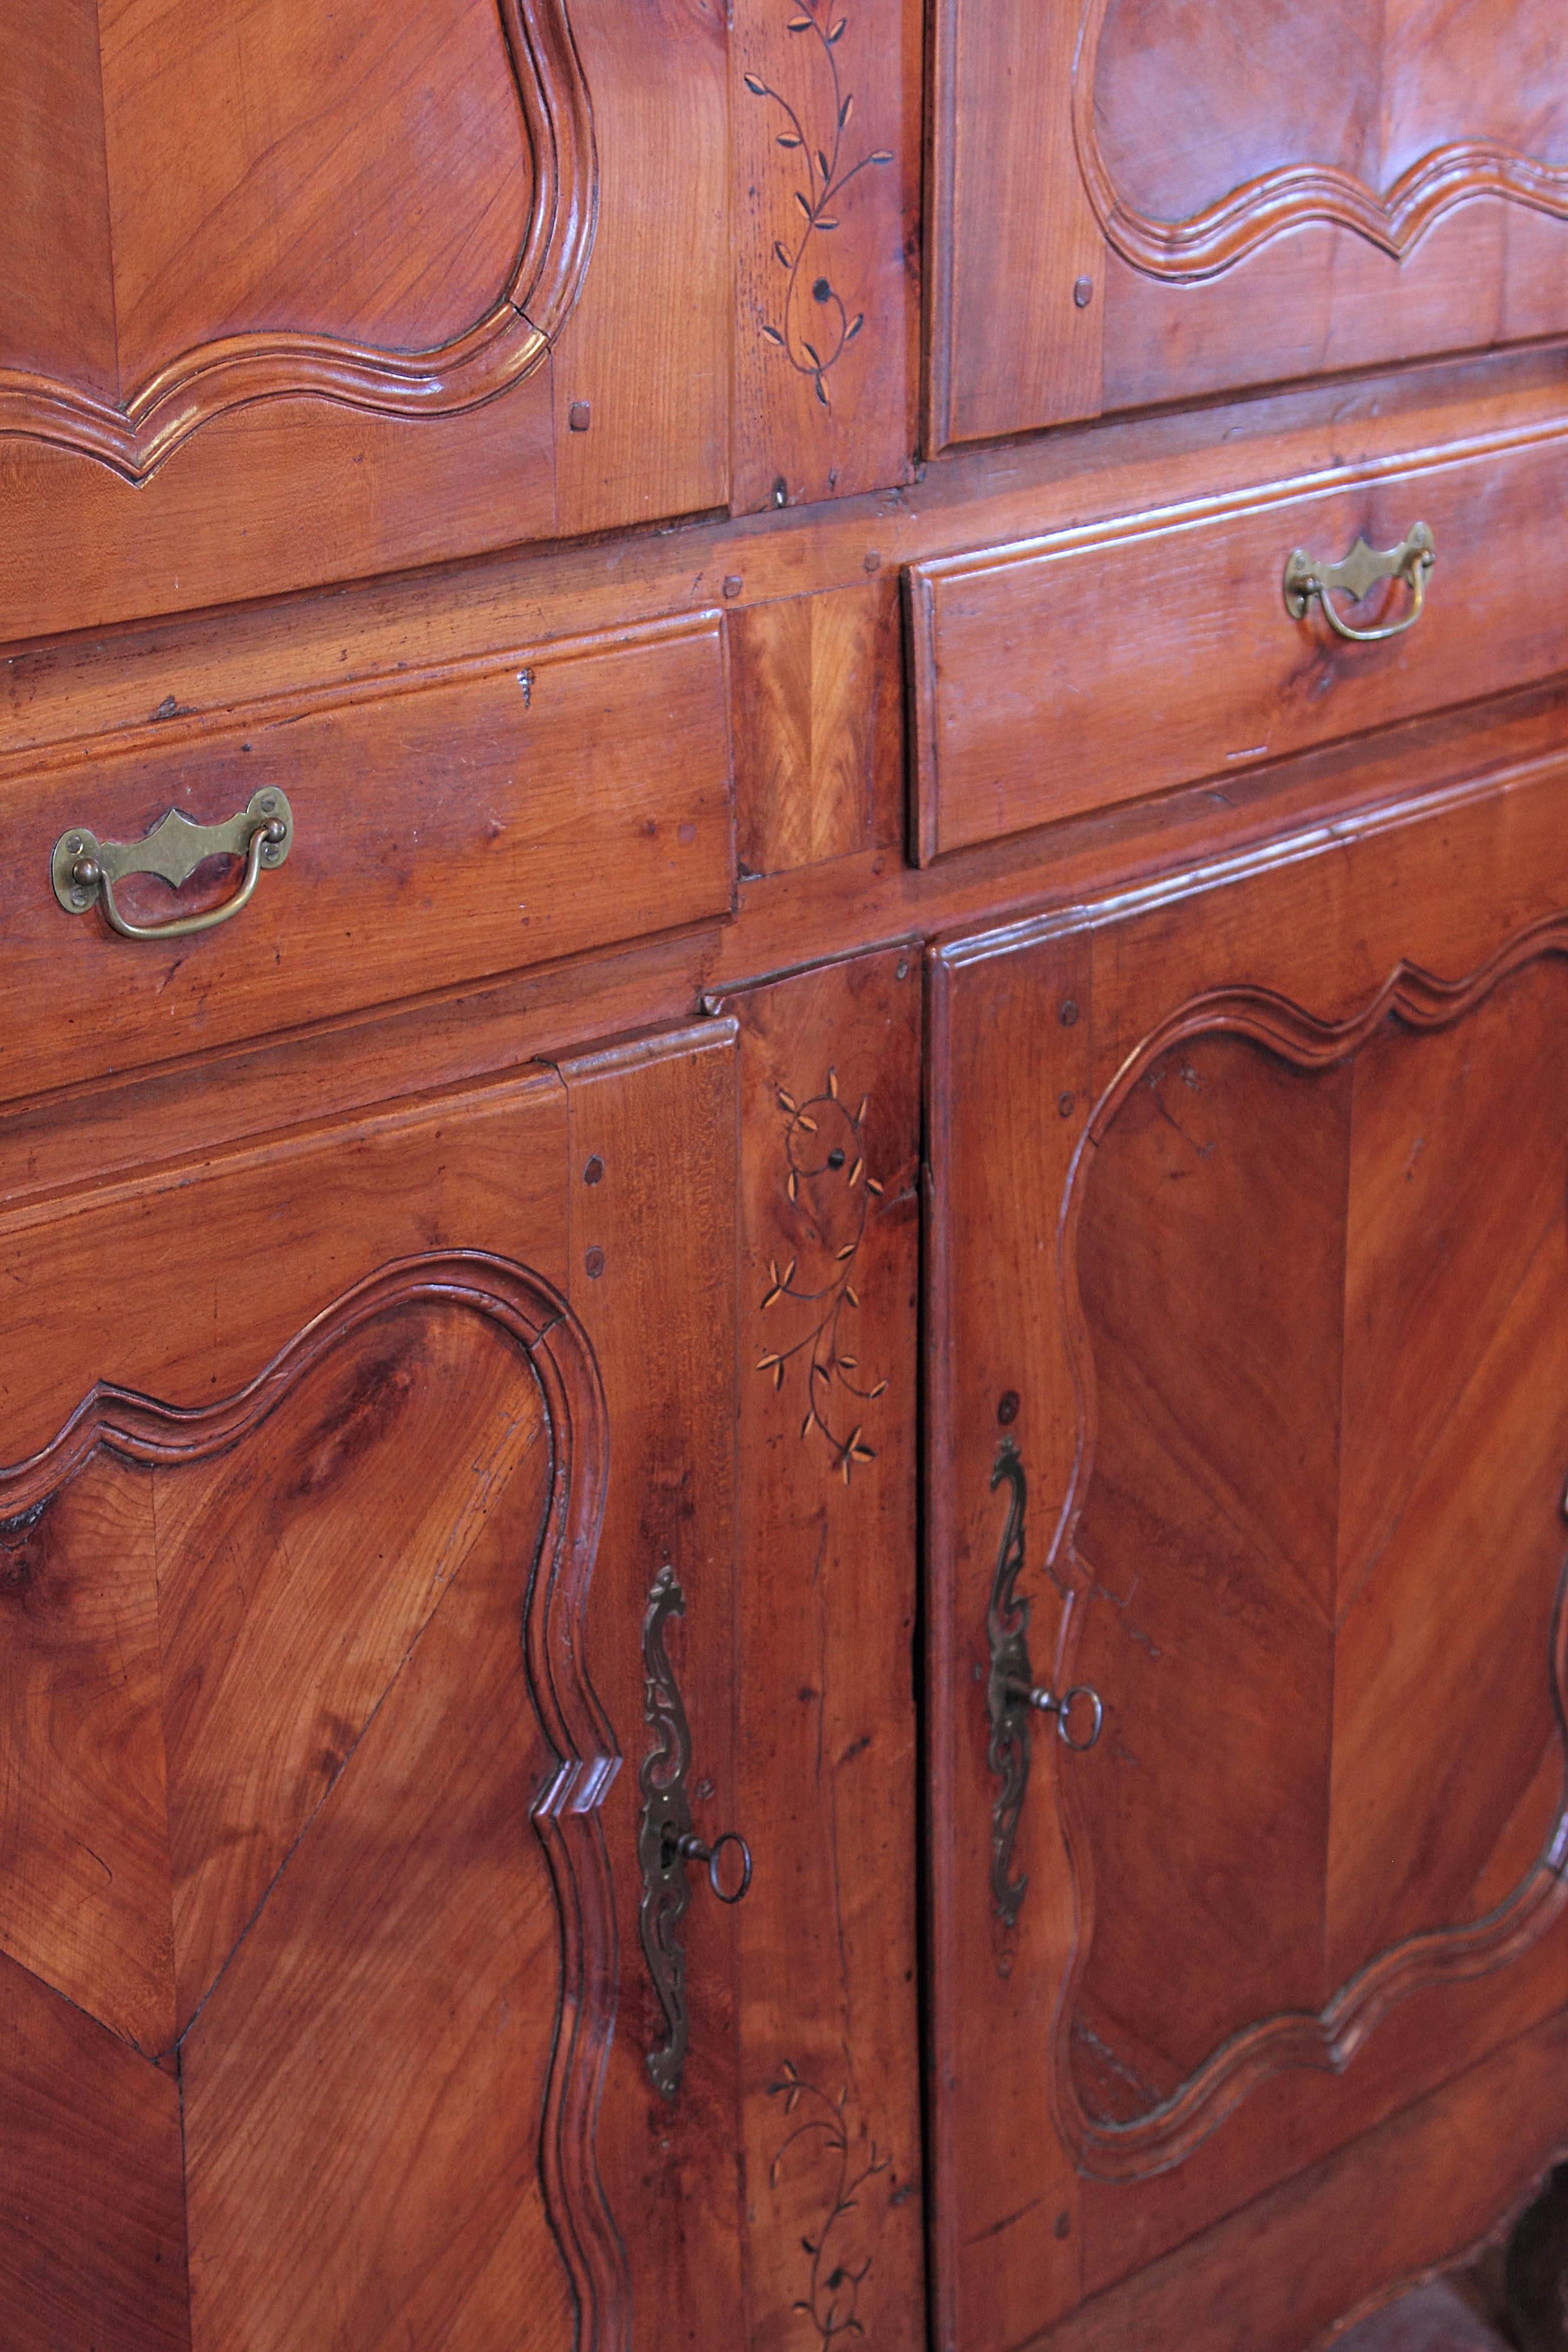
(492, 814)
(1116, 660)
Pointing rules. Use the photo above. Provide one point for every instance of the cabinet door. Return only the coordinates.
(325, 1715)
(287, 291)
(293, 296)
(1250, 1398)
(1143, 200)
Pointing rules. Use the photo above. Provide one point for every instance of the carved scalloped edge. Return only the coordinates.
(1329, 2039)
(1225, 233)
(496, 352)
(566, 1815)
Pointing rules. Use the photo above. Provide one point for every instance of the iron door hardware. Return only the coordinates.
(1013, 1696)
(668, 1841)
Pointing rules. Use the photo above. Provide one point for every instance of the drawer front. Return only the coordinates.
(452, 827)
(1108, 663)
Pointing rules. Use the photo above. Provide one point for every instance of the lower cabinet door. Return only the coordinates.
(322, 1727)
(1249, 1432)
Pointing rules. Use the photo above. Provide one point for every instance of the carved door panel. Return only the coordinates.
(1147, 200)
(291, 297)
(1250, 1392)
(282, 290)
(318, 1914)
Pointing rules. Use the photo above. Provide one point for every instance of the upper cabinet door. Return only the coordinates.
(293, 295)
(1249, 1378)
(221, 206)
(1147, 200)
(282, 287)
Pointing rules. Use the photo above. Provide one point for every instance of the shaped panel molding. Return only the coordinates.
(208, 207)
(1273, 100)
(1313, 1550)
(290, 1676)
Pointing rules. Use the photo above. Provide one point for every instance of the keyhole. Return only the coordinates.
(835, 1158)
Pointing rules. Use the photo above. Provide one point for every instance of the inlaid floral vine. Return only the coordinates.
(811, 300)
(828, 1183)
(832, 2303)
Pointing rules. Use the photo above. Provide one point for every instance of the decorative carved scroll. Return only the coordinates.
(666, 1819)
(1238, 221)
(494, 351)
(1146, 2120)
(1007, 1629)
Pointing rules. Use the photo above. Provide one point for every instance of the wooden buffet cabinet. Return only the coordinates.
(861, 1191)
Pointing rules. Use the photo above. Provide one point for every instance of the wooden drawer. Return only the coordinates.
(1106, 663)
(448, 826)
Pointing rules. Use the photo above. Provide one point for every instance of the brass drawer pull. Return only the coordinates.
(84, 870)
(1363, 568)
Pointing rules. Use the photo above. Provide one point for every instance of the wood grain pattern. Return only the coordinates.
(327, 493)
(1285, 2272)
(819, 734)
(504, 811)
(645, 357)
(1006, 2242)
(258, 1724)
(652, 1128)
(1013, 208)
(1290, 150)
(368, 2075)
(1380, 1697)
(1195, 1018)
(1195, 201)
(228, 277)
(93, 2221)
(84, 1821)
(1065, 675)
(419, 482)
(831, 2130)
(52, 136)
(328, 2069)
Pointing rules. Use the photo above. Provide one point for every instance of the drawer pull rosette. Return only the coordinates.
(1362, 569)
(84, 870)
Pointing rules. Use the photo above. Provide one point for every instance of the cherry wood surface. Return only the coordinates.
(1113, 662)
(651, 1208)
(1350, 1840)
(589, 271)
(843, 957)
(826, 115)
(1224, 197)
(829, 1065)
(483, 815)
